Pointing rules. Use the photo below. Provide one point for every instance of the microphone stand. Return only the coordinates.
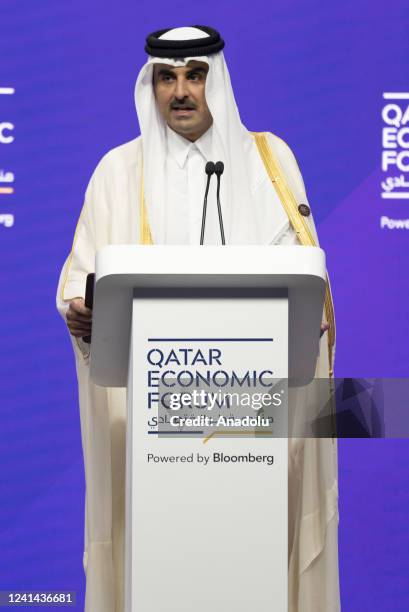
(219, 169)
(209, 169)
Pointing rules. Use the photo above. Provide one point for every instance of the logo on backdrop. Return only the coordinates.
(395, 154)
(6, 175)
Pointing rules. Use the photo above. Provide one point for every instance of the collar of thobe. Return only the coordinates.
(180, 147)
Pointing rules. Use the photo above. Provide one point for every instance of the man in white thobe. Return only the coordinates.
(150, 191)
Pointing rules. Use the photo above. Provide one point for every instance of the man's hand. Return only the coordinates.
(324, 328)
(79, 318)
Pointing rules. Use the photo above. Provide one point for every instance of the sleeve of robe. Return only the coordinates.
(93, 401)
(313, 469)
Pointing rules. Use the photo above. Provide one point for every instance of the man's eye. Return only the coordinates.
(194, 76)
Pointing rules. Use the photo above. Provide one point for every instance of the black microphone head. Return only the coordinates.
(219, 168)
(209, 169)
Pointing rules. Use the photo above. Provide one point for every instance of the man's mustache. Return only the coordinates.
(186, 105)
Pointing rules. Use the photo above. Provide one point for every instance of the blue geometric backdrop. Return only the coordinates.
(315, 73)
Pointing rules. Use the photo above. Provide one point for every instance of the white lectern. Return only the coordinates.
(205, 339)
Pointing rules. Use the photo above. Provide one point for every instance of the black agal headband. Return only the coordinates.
(158, 47)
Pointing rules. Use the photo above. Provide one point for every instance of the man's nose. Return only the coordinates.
(181, 90)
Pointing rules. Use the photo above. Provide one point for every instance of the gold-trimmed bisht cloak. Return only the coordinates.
(313, 481)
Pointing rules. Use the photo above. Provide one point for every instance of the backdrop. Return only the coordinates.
(330, 79)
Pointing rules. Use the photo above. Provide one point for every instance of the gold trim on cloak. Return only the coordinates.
(145, 236)
(290, 206)
(77, 228)
(298, 223)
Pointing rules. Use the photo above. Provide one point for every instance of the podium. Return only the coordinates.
(205, 340)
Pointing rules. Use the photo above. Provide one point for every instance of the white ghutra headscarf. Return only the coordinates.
(233, 144)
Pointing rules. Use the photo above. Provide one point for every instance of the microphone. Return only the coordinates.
(209, 169)
(219, 169)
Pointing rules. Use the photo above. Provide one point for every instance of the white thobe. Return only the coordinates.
(186, 183)
(110, 216)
